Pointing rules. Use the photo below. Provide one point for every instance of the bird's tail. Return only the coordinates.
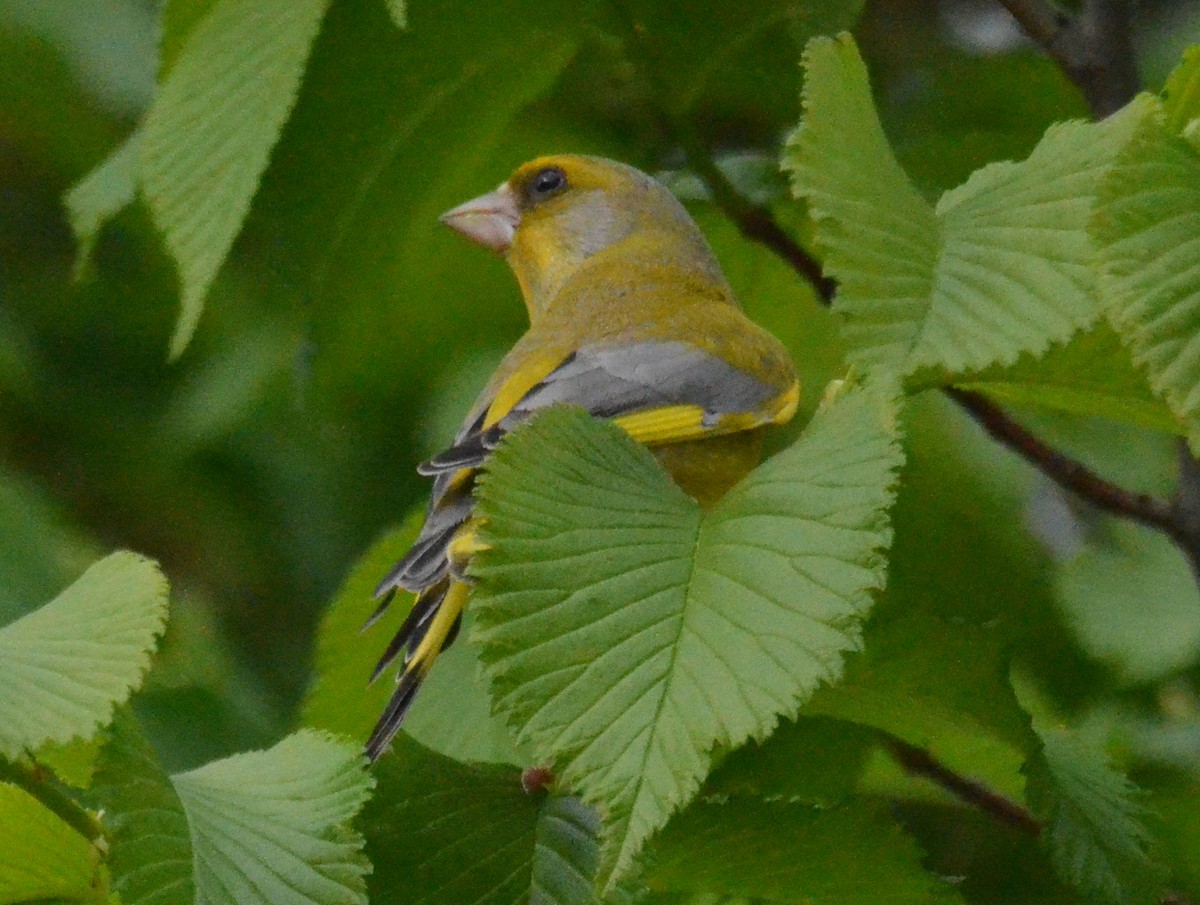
(430, 627)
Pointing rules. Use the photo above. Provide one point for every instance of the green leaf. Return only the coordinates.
(1094, 828)
(273, 826)
(1181, 93)
(883, 248)
(41, 857)
(1147, 227)
(452, 715)
(211, 128)
(150, 850)
(101, 195)
(1091, 374)
(1002, 267)
(814, 760)
(786, 852)
(625, 633)
(65, 666)
(1132, 601)
(398, 10)
(440, 832)
(178, 19)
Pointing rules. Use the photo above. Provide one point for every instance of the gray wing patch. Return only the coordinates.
(616, 381)
(608, 382)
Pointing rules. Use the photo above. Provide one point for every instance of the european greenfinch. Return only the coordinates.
(631, 319)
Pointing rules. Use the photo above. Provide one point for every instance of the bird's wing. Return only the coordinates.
(658, 391)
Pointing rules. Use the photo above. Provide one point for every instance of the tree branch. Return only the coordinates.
(920, 762)
(754, 222)
(1093, 47)
(1067, 473)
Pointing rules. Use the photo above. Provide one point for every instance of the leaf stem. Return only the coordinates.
(34, 780)
(919, 762)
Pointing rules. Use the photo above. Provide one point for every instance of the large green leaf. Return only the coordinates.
(1147, 227)
(441, 832)
(215, 118)
(790, 852)
(878, 235)
(1094, 828)
(41, 857)
(1002, 266)
(273, 826)
(625, 632)
(65, 666)
(150, 851)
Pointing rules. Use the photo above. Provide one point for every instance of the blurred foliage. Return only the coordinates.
(344, 334)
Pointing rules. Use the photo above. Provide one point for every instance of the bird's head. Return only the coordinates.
(556, 213)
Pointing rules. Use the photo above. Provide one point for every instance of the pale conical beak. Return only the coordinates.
(491, 219)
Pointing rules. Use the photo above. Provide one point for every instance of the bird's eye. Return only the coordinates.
(547, 182)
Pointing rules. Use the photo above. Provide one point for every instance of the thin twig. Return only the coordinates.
(1066, 472)
(754, 222)
(1185, 507)
(920, 762)
(37, 784)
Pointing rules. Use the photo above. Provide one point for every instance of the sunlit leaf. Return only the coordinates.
(41, 857)
(1148, 230)
(273, 826)
(625, 632)
(1001, 266)
(65, 666)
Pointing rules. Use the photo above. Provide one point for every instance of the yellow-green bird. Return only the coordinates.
(630, 318)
